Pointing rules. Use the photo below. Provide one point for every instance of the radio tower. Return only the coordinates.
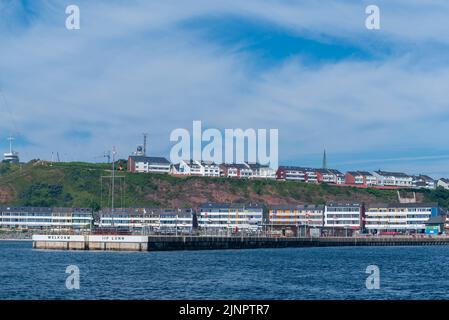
(145, 136)
(114, 152)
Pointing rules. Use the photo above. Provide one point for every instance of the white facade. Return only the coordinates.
(444, 183)
(214, 217)
(45, 218)
(261, 171)
(370, 180)
(11, 156)
(210, 169)
(399, 218)
(345, 215)
(359, 179)
(299, 215)
(294, 174)
(150, 219)
(312, 176)
(362, 178)
(424, 182)
(198, 168)
(143, 164)
(265, 173)
(329, 176)
(236, 170)
(152, 167)
(393, 179)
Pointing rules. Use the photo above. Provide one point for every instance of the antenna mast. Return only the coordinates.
(114, 152)
(145, 136)
(10, 138)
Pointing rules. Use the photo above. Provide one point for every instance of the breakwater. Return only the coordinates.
(212, 243)
(166, 243)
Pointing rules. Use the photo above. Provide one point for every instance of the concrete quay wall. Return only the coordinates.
(166, 243)
(215, 243)
(90, 242)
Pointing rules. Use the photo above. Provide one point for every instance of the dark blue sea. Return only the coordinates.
(292, 273)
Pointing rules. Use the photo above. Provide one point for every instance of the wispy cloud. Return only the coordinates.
(310, 69)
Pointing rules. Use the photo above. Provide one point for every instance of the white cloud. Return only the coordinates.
(132, 71)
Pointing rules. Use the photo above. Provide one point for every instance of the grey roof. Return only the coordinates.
(366, 173)
(230, 205)
(157, 160)
(424, 177)
(343, 204)
(335, 171)
(307, 169)
(332, 171)
(360, 173)
(445, 180)
(235, 165)
(440, 219)
(140, 212)
(392, 174)
(304, 169)
(297, 207)
(256, 165)
(402, 205)
(191, 163)
(207, 163)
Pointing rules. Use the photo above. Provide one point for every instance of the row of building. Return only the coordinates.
(332, 218)
(363, 179)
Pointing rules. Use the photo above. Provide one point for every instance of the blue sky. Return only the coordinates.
(373, 99)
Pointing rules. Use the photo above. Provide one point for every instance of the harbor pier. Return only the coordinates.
(168, 243)
(216, 243)
(91, 242)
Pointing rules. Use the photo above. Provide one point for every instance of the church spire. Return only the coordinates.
(324, 160)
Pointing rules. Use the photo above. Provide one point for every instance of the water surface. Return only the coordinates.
(290, 273)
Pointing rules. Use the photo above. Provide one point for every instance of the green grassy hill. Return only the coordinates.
(38, 183)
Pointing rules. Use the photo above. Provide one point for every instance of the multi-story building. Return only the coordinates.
(189, 168)
(197, 168)
(225, 217)
(342, 215)
(235, 170)
(330, 176)
(296, 215)
(41, 218)
(300, 174)
(159, 220)
(210, 169)
(423, 182)
(360, 178)
(403, 218)
(393, 179)
(443, 183)
(148, 164)
(261, 171)
(291, 173)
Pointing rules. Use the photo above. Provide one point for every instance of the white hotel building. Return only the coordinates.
(393, 179)
(43, 218)
(406, 217)
(235, 170)
(219, 217)
(296, 215)
(261, 171)
(146, 164)
(342, 215)
(196, 168)
(157, 220)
